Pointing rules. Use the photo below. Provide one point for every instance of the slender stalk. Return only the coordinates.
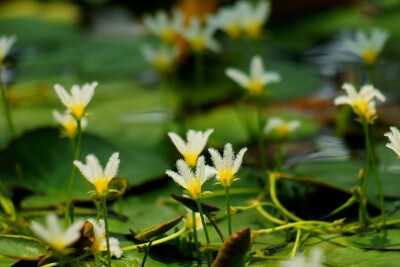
(260, 134)
(146, 252)
(371, 74)
(105, 217)
(272, 182)
(209, 257)
(7, 107)
(296, 243)
(72, 177)
(291, 225)
(196, 242)
(268, 216)
(215, 227)
(228, 210)
(345, 205)
(375, 170)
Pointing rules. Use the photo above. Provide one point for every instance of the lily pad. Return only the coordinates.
(21, 247)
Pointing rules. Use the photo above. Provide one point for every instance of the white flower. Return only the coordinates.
(162, 58)
(228, 20)
(164, 27)
(69, 123)
(192, 182)
(200, 38)
(257, 79)
(280, 127)
(253, 17)
(53, 235)
(95, 174)
(189, 216)
(394, 138)
(227, 165)
(196, 141)
(5, 45)
(314, 260)
(363, 102)
(79, 98)
(100, 243)
(367, 48)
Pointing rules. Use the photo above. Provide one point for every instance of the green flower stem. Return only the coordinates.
(228, 210)
(209, 256)
(146, 252)
(158, 241)
(196, 242)
(294, 225)
(7, 107)
(105, 217)
(371, 74)
(268, 216)
(375, 170)
(215, 227)
(70, 217)
(345, 205)
(296, 243)
(272, 182)
(260, 134)
(233, 191)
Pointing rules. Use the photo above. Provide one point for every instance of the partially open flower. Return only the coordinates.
(196, 141)
(363, 102)
(99, 241)
(197, 223)
(226, 166)
(281, 128)
(95, 174)
(253, 17)
(163, 26)
(5, 45)
(394, 138)
(192, 182)
(53, 235)
(257, 79)
(69, 123)
(368, 48)
(78, 100)
(200, 38)
(162, 58)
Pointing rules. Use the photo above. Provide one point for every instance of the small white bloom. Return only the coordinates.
(257, 79)
(367, 48)
(196, 141)
(189, 216)
(79, 98)
(253, 17)
(6, 42)
(95, 174)
(200, 38)
(228, 20)
(314, 260)
(164, 27)
(192, 182)
(69, 123)
(100, 243)
(363, 102)
(394, 138)
(53, 235)
(226, 166)
(162, 58)
(280, 127)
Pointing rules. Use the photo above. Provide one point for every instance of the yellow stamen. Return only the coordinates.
(58, 244)
(226, 177)
(77, 110)
(255, 87)
(97, 247)
(370, 56)
(167, 35)
(101, 185)
(194, 189)
(253, 30)
(233, 31)
(70, 128)
(283, 131)
(198, 44)
(191, 159)
(161, 65)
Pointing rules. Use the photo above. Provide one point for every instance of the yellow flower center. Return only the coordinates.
(191, 159)
(70, 128)
(97, 247)
(253, 30)
(233, 31)
(370, 56)
(58, 244)
(226, 177)
(255, 86)
(167, 35)
(283, 131)
(101, 185)
(77, 110)
(190, 221)
(161, 64)
(198, 44)
(194, 188)
(361, 109)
